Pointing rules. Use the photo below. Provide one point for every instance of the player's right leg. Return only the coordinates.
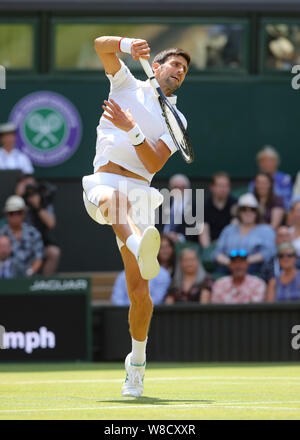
(107, 205)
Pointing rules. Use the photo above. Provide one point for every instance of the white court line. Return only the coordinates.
(216, 378)
(231, 405)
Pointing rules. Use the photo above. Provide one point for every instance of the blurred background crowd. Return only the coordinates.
(248, 249)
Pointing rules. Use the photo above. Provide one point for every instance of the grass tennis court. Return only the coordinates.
(172, 391)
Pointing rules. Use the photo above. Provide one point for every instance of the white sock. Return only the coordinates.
(133, 243)
(138, 355)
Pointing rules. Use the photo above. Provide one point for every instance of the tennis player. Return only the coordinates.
(133, 143)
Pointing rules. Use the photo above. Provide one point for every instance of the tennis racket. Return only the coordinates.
(173, 121)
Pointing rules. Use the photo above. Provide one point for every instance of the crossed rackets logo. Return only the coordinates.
(45, 128)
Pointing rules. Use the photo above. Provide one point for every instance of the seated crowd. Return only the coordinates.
(247, 251)
(27, 245)
(247, 248)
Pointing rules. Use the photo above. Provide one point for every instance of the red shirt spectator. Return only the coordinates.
(239, 287)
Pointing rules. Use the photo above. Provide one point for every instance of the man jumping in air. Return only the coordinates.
(133, 143)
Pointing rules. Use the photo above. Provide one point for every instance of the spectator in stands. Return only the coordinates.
(268, 161)
(271, 206)
(158, 287)
(8, 266)
(182, 207)
(190, 280)
(167, 254)
(40, 214)
(271, 268)
(294, 217)
(286, 286)
(22, 182)
(239, 287)
(218, 209)
(26, 241)
(257, 239)
(10, 157)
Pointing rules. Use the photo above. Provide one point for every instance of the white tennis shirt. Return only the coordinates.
(113, 144)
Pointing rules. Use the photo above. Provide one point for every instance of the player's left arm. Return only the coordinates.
(153, 158)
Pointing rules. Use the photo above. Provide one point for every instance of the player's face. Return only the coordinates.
(171, 73)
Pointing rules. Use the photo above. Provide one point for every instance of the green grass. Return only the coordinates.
(172, 391)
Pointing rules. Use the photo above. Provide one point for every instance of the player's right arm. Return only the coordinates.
(108, 47)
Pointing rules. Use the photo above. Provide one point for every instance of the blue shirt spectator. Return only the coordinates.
(26, 241)
(288, 292)
(286, 285)
(158, 287)
(258, 240)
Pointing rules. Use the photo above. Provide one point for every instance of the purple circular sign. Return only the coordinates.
(49, 127)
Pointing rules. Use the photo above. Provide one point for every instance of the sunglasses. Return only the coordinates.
(12, 213)
(238, 253)
(286, 255)
(247, 208)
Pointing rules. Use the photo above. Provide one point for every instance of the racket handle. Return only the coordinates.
(149, 72)
(147, 68)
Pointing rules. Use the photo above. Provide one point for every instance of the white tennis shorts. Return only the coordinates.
(143, 198)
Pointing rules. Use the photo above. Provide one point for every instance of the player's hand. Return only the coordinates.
(140, 49)
(120, 118)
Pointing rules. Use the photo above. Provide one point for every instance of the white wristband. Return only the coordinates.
(125, 45)
(136, 136)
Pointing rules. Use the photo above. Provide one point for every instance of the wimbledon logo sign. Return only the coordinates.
(49, 127)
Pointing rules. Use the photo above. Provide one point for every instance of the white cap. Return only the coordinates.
(14, 203)
(248, 200)
(8, 127)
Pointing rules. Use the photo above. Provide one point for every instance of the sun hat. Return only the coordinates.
(8, 127)
(248, 200)
(14, 203)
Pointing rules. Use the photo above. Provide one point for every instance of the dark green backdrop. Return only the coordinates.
(230, 119)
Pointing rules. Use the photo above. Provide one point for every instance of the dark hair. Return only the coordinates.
(219, 174)
(162, 56)
(270, 197)
(172, 259)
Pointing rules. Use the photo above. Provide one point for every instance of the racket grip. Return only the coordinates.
(147, 68)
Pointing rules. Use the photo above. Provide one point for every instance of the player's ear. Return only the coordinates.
(155, 66)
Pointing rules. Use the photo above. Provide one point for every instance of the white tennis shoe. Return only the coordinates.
(134, 382)
(147, 253)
